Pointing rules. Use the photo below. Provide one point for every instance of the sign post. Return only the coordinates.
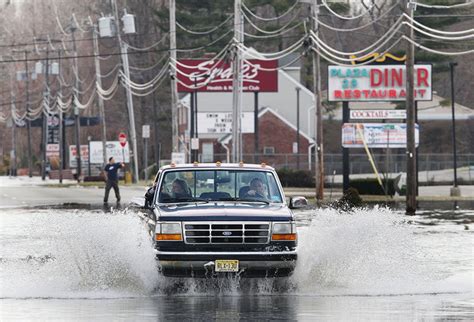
(145, 136)
(123, 142)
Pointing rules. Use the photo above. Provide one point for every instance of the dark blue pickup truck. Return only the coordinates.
(219, 219)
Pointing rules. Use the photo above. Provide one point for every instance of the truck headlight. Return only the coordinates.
(284, 231)
(168, 231)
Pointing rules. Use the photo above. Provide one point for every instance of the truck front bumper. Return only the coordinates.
(251, 264)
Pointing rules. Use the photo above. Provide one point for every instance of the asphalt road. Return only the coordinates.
(27, 192)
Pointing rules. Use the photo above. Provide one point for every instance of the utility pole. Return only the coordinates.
(77, 119)
(174, 88)
(13, 151)
(237, 84)
(345, 151)
(298, 127)
(191, 129)
(28, 121)
(131, 113)
(455, 189)
(319, 164)
(255, 123)
(61, 125)
(410, 106)
(155, 131)
(100, 100)
(45, 118)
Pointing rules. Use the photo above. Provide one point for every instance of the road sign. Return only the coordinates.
(178, 157)
(378, 114)
(146, 131)
(123, 139)
(376, 135)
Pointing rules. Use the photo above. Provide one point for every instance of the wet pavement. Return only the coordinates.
(78, 260)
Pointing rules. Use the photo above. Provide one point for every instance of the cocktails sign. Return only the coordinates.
(211, 76)
(377, 83)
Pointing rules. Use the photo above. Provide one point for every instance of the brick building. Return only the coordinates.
(277, 122)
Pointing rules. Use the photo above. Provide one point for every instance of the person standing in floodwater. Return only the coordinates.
(111, 177)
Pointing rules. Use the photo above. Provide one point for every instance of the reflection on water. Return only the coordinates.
(96, 264)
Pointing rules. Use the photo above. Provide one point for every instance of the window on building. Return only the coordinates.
(268, 150)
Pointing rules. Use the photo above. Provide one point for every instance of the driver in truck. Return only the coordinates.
(257, 189)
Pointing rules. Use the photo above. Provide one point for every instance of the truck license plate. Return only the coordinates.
(226, 265)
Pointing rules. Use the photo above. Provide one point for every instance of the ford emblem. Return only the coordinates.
(226, 233)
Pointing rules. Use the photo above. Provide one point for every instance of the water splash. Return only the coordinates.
(91, 254)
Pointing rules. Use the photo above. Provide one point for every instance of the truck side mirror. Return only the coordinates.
(138, 202)
(298, 202)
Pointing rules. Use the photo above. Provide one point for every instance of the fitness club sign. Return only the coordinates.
(212, 76)
(377, 83)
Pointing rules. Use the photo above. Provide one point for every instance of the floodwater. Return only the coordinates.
(374, 264)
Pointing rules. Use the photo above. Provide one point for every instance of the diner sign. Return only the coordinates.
(377, 83)
(216, 76)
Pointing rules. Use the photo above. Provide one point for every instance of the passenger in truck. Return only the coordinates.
(257, 189)
(180, 189)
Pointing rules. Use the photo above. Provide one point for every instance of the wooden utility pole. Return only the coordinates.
(174, 88)
(410, 107)
(237, 84)
(28, 121)
(99, 98)
(77, 93)
(319, 164)
(61, 125)
(46, 96)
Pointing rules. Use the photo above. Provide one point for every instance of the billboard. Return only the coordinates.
(84, 156)
(376, 135)
(221, 122)
(377, 83)
(113, 149)
(216, 76)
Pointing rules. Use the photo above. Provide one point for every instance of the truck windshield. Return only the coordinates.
(219, 185)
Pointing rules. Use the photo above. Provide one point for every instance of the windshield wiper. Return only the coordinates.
(245, 200)
(185, 199)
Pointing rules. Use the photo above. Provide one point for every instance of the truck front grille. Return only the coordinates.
(226, 233)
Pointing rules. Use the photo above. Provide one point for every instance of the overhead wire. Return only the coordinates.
(205, 46)
(438, 52)
(290, 9)
(149, 67)
(359, 27)
(442, 32)
(145, 48)
(272, 31)
(324, 3)
(273, 35)
(453, 6)
(204, 32)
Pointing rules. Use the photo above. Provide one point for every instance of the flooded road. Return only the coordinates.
(375, 264)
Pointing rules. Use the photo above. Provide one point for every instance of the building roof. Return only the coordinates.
(226, 138)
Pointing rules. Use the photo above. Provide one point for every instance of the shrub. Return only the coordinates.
(371, 186)
(349, 200)
(296, 178)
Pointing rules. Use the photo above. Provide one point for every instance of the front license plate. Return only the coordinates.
(226, 265)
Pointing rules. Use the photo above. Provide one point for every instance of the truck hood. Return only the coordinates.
(222, 211)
